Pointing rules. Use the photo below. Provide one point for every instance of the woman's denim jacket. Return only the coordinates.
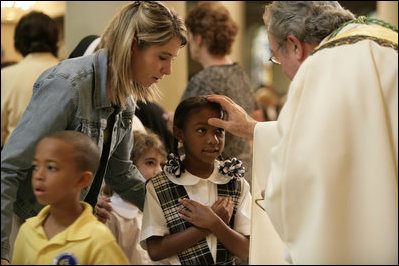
(69, 96)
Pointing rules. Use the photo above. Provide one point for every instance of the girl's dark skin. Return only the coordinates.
(203, 144)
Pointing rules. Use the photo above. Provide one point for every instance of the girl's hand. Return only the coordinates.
(198, 214)
(224, 207)
(102, 209)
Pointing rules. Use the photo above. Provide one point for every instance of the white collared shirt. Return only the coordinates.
(203, 191)
(125, 223)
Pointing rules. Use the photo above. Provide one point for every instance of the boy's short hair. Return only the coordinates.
(87, 155)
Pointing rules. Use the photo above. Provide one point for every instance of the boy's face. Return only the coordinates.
(55, 176)
(202, 142)
(149, 163)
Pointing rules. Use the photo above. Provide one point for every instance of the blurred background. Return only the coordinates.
(77, 19)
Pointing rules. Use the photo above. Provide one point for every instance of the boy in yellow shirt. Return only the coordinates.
(65, 231)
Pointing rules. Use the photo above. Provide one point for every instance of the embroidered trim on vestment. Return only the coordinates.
(355, 39)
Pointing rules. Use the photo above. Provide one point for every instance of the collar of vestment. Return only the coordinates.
(353, 33)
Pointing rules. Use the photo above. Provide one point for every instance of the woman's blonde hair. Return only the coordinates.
(151, 23)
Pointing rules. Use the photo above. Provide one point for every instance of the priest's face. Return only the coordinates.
(285, 54)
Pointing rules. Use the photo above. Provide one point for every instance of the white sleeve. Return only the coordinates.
(154, 223)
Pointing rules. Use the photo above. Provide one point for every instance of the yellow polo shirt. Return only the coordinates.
(86, 241)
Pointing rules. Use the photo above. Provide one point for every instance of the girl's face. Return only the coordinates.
(149, 163)
(202, 142)
(151, 64)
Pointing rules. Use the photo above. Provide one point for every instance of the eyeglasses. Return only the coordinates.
(274, 60)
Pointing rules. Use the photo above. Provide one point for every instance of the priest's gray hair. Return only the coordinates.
(309, 21)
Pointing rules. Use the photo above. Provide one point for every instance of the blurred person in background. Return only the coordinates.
(268, 104)
(4, 61)
(35, 38)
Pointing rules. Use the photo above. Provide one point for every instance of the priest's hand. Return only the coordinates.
(238, 122)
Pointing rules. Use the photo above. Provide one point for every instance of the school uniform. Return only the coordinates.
(161, 216)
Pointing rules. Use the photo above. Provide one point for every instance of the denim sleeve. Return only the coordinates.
(123, 176)
(50, 109)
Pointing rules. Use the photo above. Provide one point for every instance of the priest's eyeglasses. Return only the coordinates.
(274, 60)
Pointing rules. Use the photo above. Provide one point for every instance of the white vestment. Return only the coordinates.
(265, 246)
(332, 191)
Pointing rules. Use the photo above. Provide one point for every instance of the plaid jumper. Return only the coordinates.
(168, 194)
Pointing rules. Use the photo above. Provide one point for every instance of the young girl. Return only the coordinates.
(197, 211)
(125, 219)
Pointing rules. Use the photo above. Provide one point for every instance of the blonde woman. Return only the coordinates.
(96, 95)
